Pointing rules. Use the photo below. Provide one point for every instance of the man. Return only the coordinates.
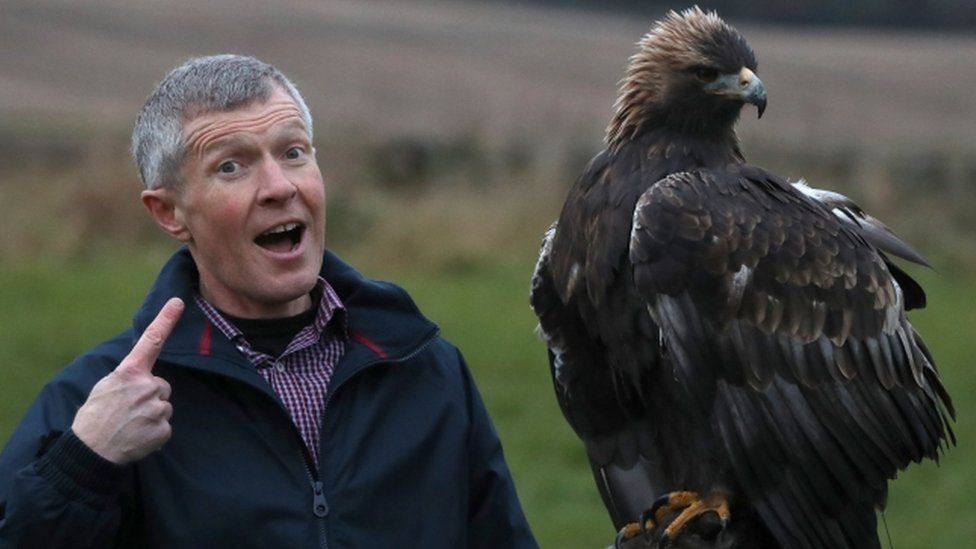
(264, 397)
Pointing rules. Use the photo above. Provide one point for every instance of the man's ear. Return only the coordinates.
(162, 204)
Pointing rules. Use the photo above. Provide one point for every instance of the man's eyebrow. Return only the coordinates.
(205, 145)
(291, 127)
(223, 143)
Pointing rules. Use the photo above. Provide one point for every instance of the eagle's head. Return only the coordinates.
(692, 74)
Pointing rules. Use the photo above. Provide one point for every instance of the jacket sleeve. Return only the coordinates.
(495, 517)
(55, 491)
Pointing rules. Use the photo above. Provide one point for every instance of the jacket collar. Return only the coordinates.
(383, 321)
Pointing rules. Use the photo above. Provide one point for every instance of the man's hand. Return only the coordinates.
(126, 416)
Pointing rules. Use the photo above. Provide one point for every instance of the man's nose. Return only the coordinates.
(275, 185)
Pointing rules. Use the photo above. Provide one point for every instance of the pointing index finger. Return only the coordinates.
(146, 350)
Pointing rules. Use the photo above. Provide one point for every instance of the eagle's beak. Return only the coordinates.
(744, 86)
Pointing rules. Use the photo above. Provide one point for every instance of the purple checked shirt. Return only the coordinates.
(300, 376)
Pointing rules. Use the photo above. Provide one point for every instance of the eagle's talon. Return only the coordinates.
(633, 529)
(685, 507)
(672, 501)
(619, 539)
(660, 502)
(647, 523)
(628, 532)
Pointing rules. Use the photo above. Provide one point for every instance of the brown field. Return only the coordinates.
(388, 68)
(474, 86)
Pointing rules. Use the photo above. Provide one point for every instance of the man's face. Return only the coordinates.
(253, 207)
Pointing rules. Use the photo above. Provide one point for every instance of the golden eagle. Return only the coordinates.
(728, 344)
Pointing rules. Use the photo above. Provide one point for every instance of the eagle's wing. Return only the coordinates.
(596, 401)
(785, 324)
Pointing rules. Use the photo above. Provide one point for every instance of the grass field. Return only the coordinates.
(51, 312)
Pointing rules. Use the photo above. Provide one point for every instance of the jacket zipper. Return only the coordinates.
(319, 505)
(320, 508)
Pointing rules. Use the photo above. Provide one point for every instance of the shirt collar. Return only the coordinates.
(330, 322)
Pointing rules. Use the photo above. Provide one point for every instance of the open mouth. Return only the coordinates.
(281, 238)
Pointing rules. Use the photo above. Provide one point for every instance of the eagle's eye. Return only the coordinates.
(706, 74)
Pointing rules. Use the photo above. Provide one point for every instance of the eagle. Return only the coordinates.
(732, 348)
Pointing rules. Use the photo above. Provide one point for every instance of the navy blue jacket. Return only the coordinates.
(409, 457)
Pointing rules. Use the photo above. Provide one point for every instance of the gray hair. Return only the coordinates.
(199, 86)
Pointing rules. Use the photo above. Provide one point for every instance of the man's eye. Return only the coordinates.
(294, 153)
(227, 167)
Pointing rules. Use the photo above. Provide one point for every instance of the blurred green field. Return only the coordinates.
(53, 311)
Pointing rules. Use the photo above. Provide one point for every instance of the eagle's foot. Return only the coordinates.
(631, 530)
(678, 509)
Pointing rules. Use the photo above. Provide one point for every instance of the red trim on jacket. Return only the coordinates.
(358, 336)
(206, 338)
